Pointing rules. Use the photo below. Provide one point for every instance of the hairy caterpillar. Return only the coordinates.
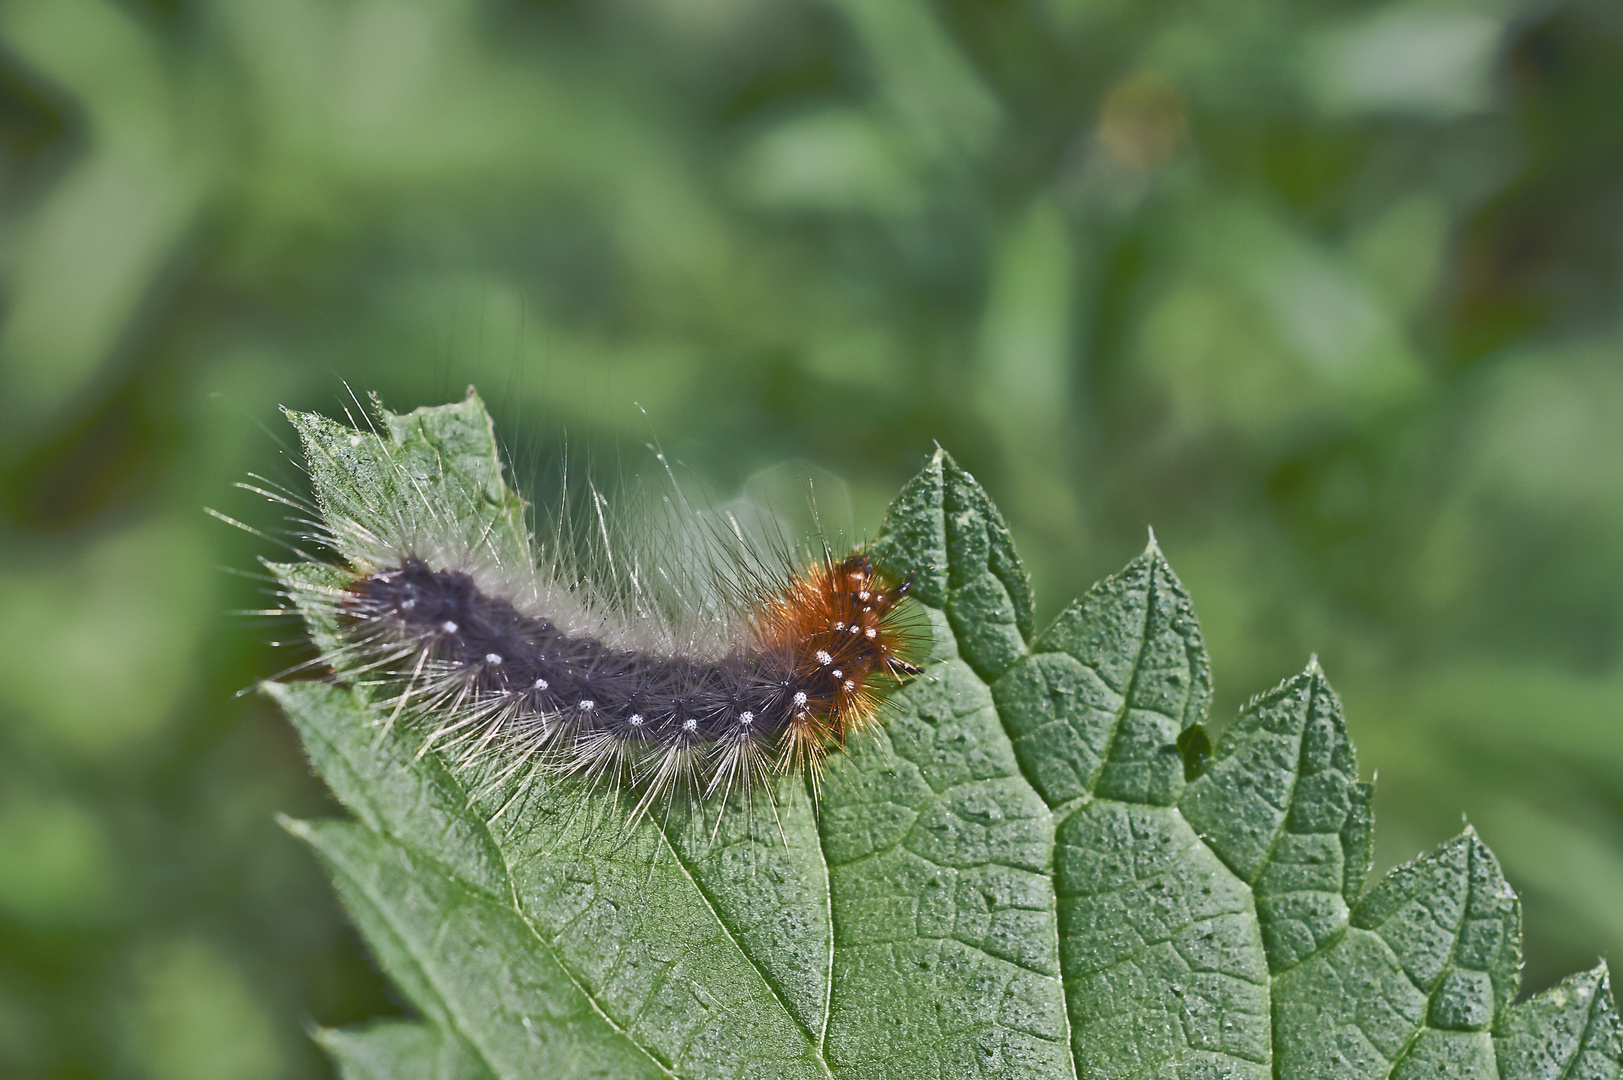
(694, 678)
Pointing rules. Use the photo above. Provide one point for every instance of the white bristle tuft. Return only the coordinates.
(671, 655)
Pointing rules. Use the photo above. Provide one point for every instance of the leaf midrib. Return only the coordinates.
(1290, 801)
(1583, 1036)
(1127, 691)
(828, 909)
(513, 901)
(574, 979)
(1442, 977)
(770, 983)
(386, 913)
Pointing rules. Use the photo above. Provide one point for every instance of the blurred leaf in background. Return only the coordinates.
(1328, 295)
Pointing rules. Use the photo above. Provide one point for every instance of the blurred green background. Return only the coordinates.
(1329, 294)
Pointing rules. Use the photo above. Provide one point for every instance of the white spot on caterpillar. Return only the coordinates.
(838, 674)
(871, 633)
(636, 720)
(855, 628)
(408, 603)
(493, 658)
(849, 685)
(839, 626)
(540, 684)
(864, 595)
(587, 705)
(746, 718)
(448, 626)
(690, 725)
(824, 658)
(800, 699)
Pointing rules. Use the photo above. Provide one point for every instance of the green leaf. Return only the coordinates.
(432, 471)
(1282, 806)
(1033, 870)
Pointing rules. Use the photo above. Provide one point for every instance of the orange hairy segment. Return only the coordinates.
(837, 622)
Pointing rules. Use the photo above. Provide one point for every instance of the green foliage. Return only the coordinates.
(1026, 873)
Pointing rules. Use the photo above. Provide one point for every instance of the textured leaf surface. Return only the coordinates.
(1034, 870)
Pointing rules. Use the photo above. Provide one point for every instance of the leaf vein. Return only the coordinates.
(771, 986)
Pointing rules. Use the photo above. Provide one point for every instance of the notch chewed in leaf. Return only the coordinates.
(1038, 867)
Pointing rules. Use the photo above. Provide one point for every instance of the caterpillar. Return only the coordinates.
(711, 675)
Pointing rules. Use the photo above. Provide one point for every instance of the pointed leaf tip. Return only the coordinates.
(1173, 908)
